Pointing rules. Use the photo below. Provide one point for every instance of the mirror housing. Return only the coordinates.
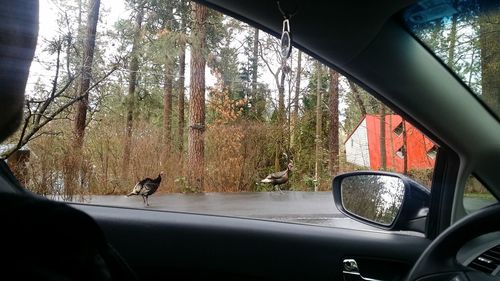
(412, 212)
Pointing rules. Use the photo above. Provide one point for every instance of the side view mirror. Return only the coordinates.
(386, 200)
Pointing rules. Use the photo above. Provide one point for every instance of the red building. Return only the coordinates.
(363, 145)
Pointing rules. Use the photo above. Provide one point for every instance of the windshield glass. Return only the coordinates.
(464, 35)
(169, 105)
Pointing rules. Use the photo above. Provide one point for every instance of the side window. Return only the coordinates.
(476, 196)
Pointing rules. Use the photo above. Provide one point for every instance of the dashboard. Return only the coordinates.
(482, 254)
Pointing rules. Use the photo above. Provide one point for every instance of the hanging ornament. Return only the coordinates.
(286, 40)
(286, 34)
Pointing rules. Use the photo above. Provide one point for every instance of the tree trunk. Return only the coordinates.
(295, 113)
(73, 160)
(383, 153)
(167, 92)
(257, 99)
(452, 40)
(318, 127)
(167, 110)
(79, 26)
(288, 109)
(357, 98)
(281, 119)
(334, 122)
(180, 100)
(197, 100)
(88, 57)
(167, 106)
(489, 26)
(255, 58)
(391, 143)
(281, 98)
(133, 68)
(405, 149)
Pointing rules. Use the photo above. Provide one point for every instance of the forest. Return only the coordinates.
(176, 87)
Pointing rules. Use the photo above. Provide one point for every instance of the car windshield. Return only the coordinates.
(173, 106)
(464, 34)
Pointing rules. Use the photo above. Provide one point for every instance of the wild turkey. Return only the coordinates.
(146, 187)
(278, 178)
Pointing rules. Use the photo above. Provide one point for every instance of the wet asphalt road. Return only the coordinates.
(315, 208)
(291, 206)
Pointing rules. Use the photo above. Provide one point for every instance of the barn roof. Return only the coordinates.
(355, 128)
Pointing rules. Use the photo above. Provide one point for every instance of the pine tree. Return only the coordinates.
(196, 161)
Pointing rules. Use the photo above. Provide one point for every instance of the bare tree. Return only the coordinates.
(334, 122)
(134, 67)
(452, 41)
(317, 140)
(295, 113)
(279, 76)
(255, 58)
(41, 112)
(357, 98)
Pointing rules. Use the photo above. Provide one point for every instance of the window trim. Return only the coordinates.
(444, 182)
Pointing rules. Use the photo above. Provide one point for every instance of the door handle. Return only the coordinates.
(351, 271)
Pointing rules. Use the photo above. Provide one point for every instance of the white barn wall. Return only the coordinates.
(356, 146)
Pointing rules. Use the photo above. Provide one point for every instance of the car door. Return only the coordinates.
(167, 245)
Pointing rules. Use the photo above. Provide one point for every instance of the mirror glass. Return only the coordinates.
(376, 198)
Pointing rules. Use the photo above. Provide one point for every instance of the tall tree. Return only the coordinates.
(73, 161)
(167, 86)
(255, 64)
(295, 112)
(281, 115)
(279, 75)
(181, 88)
(357, 98)
(405, 148)
(452, 40)
(281, 94)
(489, 30)
(383, 153)
(196, 142)
(167, 105)
(88, 57)
(132, 83)
(334, 122)
(317, 141)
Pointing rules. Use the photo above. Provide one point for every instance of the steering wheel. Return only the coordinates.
(439, 263)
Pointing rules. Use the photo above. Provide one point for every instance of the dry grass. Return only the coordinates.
(237, 155)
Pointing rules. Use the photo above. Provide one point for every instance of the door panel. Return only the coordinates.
(178, 246)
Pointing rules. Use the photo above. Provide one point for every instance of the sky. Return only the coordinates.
(48, 28)
(112, 11)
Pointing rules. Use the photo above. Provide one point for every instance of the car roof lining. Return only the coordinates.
(339, 45)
